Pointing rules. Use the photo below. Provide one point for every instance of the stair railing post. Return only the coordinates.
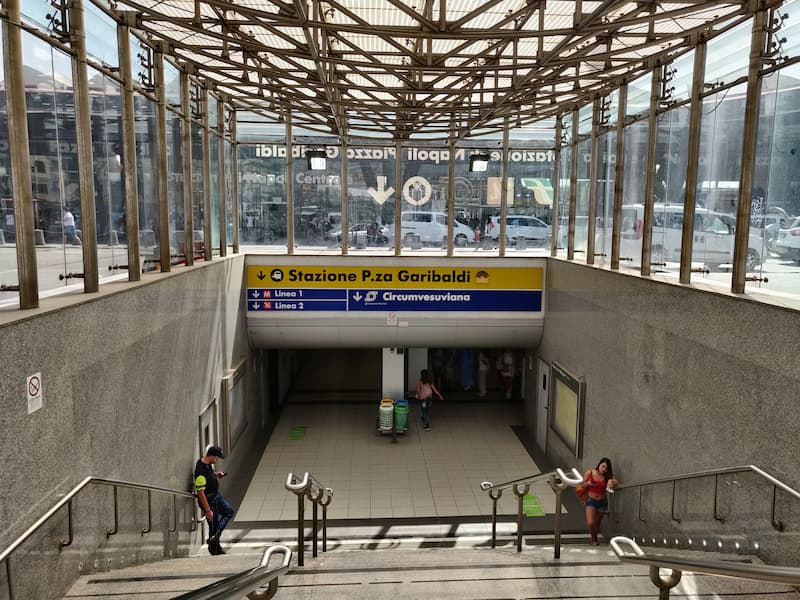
(558, 482)
(327, 497)
(495, 496)
(299, 489)
(519, 492)
(315, 495)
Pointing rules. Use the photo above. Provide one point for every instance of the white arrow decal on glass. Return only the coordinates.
(381, 195)
(357, 296)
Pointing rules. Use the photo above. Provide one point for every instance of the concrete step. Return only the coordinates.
(401, 573)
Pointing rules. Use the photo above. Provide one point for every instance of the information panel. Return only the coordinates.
(355, 289)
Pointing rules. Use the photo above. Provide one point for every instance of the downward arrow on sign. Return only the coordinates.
(381, 195)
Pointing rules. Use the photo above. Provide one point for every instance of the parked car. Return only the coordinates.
(714, 235)
(431, 227)
(535, 231)
(787, 244)
(374, 234)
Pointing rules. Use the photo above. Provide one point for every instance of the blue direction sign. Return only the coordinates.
(297, 294)
(296, 305)
(444, 300)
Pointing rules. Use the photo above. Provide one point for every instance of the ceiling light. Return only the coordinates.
(316, 160)
(478, 162)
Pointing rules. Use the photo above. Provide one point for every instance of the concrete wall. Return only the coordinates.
(677, 379)
(125, 373)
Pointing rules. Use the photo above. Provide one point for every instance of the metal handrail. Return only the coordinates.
(558, 481)
(775, 482)
(679, 564)
(246, 582)
(67, 499)
(319, 495)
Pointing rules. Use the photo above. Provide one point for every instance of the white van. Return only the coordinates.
(535, 231)
(714, 235)
(431, 227)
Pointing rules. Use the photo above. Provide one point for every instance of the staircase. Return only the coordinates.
(424, 562)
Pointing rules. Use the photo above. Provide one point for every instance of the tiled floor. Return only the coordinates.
(432, 473)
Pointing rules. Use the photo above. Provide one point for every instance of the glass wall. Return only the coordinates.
(214, 189)
(198, 201)
(8, 254)
(175, 183)
(262, 195)
(147, 182)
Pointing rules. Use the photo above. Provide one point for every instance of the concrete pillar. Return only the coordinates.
(27, 275)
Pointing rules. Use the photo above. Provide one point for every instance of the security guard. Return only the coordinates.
(215, 508)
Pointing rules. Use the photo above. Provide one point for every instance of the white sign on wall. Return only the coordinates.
(33, 392)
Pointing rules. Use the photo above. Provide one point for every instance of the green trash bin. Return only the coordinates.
(401, 415)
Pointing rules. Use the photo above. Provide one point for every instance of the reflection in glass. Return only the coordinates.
(214, 189)
(175, 182)
(147, 182)
(228, 194)
(317, 199)
(718, 176)
(606, 147)
(371, 191)
(198, 207)
(582, 198)
(262, 194)
(8, 266)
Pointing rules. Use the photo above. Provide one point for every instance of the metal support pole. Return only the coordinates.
(83, 135)
(591, 229)
(398, 198)
(324, 527)
(573, 185)
(290, 191)
(650, 170)
(314, 511)
(345, 202)
(129, 175)
(519, 492)
(300, 529)
(503, 192)
(556, 190)
(207, 217)
(164, 258)
(451, 192)
(692, 161)
(222, 183)
(557, 526)
(235, 183)
(20, 157)
(619, 176)
(188, 216)
(758, 42)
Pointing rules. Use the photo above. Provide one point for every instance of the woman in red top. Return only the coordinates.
(600, 481)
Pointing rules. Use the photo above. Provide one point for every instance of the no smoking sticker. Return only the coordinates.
(33, 392)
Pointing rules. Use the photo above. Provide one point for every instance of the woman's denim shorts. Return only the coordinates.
(601, 505)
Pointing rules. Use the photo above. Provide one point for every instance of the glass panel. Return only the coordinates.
(727, 55)
(228, 193)
(175, 184)
(633, 182)
(668, 189)
(563, 200)
(214, 189)
(607, 147)
(682, 79)
(198, 208)
(477, 200)
(262, 194)
(424, 199)
(582, 198)
(212, 111)
(371, 191)
(109, 195)
(585, 119)
(35, 12)
(639, 96)
(775, 227)
(718, 174)
(147, 182)
(54, 162)
(530, 207)
(317, 198)
(172, 82)
(8, 250)
(101, 36)
(612, 108)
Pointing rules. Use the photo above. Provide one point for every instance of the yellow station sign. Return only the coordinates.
(363, 277)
